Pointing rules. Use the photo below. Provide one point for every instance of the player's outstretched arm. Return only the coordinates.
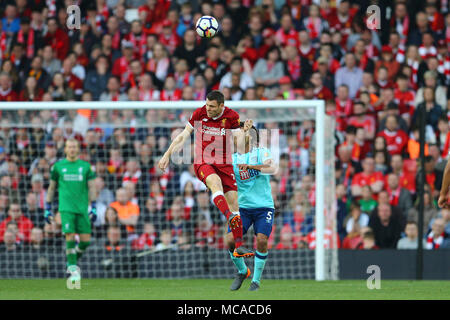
(443, 197)
(176, 145)
(268, 167)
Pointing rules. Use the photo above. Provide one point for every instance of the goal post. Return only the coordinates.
(275, 111)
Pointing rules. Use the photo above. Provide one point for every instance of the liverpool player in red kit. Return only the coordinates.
(212, 124)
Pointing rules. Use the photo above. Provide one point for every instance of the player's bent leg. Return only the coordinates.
(243, 272)
(260, 260)
(214, 183)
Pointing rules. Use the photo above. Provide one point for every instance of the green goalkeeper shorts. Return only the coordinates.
(75, 223)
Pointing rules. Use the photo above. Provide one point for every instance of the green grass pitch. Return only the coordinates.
(200, 289)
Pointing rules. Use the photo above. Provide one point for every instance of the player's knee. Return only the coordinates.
(214, 183)
(261, 242)
(70, 236)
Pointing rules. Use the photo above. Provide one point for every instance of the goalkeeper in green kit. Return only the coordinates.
(74, 179)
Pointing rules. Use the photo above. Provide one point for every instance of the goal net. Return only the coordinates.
(162, 224)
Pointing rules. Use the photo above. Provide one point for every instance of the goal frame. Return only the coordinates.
(318, 105)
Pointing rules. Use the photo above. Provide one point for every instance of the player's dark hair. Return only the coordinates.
(256, 132)
(216, 95)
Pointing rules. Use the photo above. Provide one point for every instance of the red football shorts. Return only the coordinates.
(224, 171)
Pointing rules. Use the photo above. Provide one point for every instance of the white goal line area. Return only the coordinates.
(306, 110)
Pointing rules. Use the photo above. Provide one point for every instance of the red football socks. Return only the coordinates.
(236, 228)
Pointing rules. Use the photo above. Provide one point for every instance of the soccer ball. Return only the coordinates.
(207, 26)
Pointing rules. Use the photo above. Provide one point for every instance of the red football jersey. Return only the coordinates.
(213, 138)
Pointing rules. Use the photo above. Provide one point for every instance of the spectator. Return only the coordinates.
(433, 110)
(111, 218)
(96, 80)
(37, 239)
(11, 22)
(6, 89)
(166, 240)
(112, 92)
(399, 197)
(36, 71)
(354, 239)
(431, 81)
(286, 239)
(8, 243)
(245, 80)
(433, 176)
(350, 75)
(59, 90)
(368, 241)
(269, 70)
(147, 239)
(396, 139)
(406, 178)
(189, 50)
(159, 65)
(170, 92)
(367, 177)
(57, 38)
(127, 211)
(437, 235)
(52, 237)
(121, 66)
(147, 90)
(341, 210)
(24, 225)
(410, 241)
(386, 226)
(387, 60)
(206, 233)
(182, 75)
(32, 210)
(114, 240)
(176, 220)
(105, 195)
(356, 218)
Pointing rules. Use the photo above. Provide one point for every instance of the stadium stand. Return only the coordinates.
(372, 81)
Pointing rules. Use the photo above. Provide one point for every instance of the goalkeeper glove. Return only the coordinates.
(93, 213)
(48, 214)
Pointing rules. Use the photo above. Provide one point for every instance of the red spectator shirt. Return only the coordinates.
(368, 123)
(24, 226)
(121, 69)
(287, 38)
(361, 179)
(171, 42)
(59, 41)
(323, 93)
(208, 130)
(343, 27)
(74, 83)
(405, 101)
(396, 141)
(8, 95)
(156, 14)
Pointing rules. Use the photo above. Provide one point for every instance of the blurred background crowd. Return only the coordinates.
(372, 81)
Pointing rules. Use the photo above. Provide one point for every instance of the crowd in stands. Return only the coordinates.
(374, 82)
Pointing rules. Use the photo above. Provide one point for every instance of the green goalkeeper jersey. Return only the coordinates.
(72, 178)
